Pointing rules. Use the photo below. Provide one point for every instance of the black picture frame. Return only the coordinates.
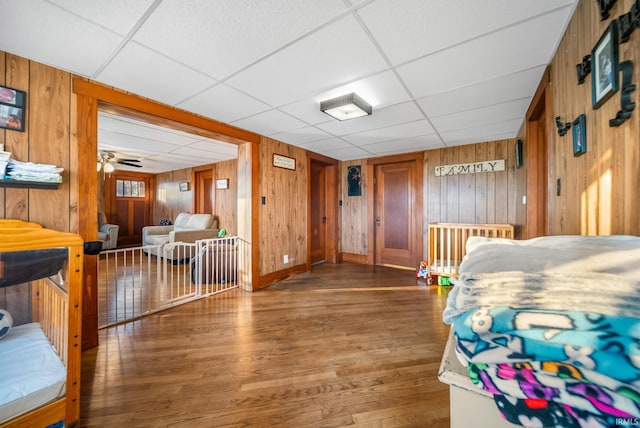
(12, 108)
(354, 180)
(604, 66)
(579, 129)
(518, 154)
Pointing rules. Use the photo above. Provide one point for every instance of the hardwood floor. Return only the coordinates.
(343, 345)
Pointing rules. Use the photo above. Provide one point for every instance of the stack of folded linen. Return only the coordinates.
(556, 339)
(30, 171)
(4, 161)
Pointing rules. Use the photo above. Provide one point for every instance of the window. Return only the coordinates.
(130, 189)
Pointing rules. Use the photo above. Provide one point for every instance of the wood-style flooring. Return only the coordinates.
(342, 345)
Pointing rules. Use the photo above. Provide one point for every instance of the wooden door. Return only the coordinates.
(536, 160)
(318, 217)
(129, 206)
(204, 191)
(394, 220)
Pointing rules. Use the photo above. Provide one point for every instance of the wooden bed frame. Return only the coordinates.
(57, 307)
(447, 243)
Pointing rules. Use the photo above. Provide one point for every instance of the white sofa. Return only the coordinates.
(186, 228)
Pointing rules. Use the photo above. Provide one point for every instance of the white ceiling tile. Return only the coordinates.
(497, 54)
(218, 147)
(414, 144)
(201, 155)
(406, 130)
(481, 116)
(490, 132)
(56, 37)
(220, 37)
(114, 124)
(333, 56)
(381, 90)
(117, 15)
(514, 86)
(224, 104)
(348, 153)
(406, 29)
(390, 116)
(269, 122)
(298, 137)
(170, 82)
(125, 142)
(329, 144)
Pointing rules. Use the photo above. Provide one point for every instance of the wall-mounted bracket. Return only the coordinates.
(563, 127)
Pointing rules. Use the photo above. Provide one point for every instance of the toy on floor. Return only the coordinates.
(423, 272)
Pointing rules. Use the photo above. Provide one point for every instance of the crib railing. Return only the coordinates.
(447, 243)
(132, 282)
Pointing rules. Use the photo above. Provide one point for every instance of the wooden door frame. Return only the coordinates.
(331, 198)
(417, 157)
(195, 175)
(537, 161)
(91, 97)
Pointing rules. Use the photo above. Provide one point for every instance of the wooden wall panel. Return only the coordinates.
(599, 192)
(169, 200)
(473, 198)
(353, 231)
(47, 139)
(283, 217)
(227, 199)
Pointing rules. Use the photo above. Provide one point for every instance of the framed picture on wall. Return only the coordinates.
(12, 108)
(579, 128)
(604, 67)
(518, 154)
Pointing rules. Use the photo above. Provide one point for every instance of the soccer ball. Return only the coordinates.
(6, 321)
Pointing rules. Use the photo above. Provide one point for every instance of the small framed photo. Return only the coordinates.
(12, 108)
(222, 184)
(579, 129)
(184, 186)
(518, 154)
(604, 66)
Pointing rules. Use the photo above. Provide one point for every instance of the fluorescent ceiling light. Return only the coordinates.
(346, 107)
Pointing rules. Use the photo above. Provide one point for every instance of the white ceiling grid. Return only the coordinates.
(438, 73)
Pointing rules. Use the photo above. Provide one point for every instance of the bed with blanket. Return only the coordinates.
(40, 325)
(550, 328)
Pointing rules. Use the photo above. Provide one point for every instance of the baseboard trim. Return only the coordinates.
(354, 258)
(273, 277)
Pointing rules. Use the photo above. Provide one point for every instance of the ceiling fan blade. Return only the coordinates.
(128, 160)
(122, 162)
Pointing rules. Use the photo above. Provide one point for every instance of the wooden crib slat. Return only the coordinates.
(447, 243)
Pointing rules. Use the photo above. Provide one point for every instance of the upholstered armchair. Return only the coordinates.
(108, 234)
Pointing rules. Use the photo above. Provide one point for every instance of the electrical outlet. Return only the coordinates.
(286, 259)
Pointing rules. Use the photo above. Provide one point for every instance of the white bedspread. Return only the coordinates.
(588, 273)
(32, 372)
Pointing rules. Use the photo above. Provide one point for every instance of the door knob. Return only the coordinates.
(378, 221)
(324, 219)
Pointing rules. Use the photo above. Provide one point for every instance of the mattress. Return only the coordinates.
(32, 372)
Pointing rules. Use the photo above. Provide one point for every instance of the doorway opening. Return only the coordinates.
(322, 210)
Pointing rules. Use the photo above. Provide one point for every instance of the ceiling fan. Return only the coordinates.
(106, 159)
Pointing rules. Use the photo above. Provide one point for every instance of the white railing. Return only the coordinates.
(134, 282)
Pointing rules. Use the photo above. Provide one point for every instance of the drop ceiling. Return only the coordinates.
(438, 73)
